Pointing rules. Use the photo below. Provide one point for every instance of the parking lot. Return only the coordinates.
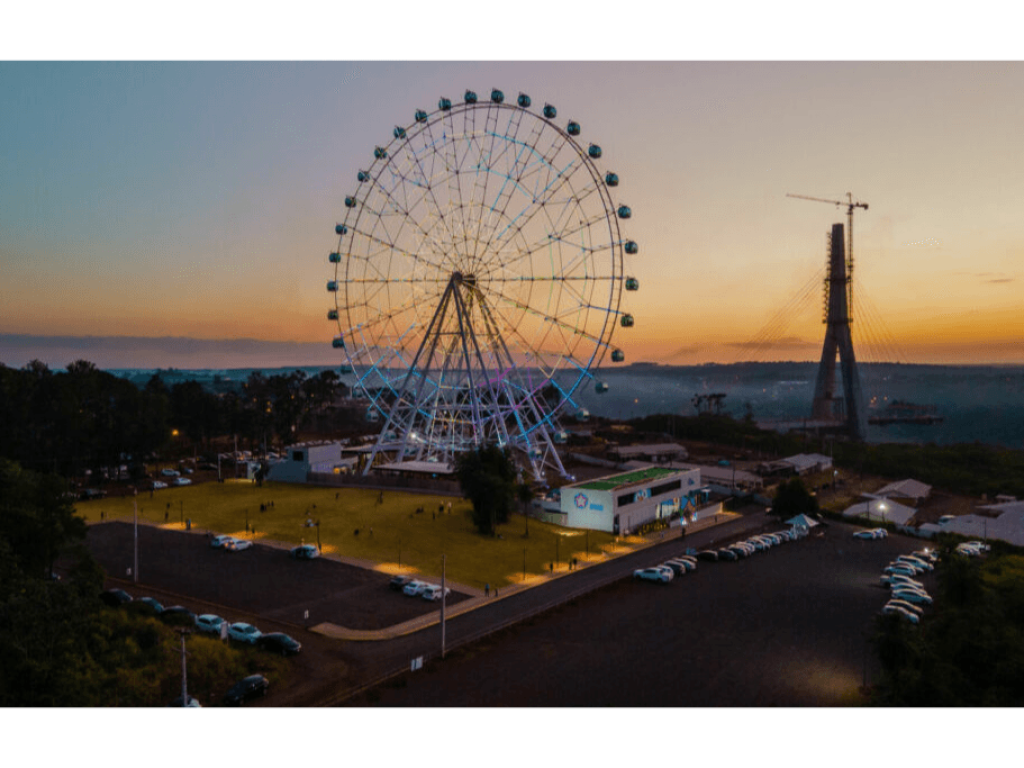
(262, 581)
(787, 627)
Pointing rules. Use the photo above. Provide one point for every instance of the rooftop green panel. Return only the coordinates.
(629, 478)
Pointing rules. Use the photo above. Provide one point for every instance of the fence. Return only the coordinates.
(396, 482)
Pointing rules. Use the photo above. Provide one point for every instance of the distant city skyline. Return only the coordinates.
(198, 200)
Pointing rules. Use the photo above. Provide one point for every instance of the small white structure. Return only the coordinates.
(622, 503)
(881, 511)
(802, 521)
(302, 458)
(801, 464)
(913, 490)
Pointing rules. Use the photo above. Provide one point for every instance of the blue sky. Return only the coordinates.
(197, 199)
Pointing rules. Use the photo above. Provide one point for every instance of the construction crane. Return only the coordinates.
(850, 205)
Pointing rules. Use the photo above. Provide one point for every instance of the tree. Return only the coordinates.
(793, 498)
(487, 477)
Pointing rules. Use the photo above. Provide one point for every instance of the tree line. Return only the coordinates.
(84, 418)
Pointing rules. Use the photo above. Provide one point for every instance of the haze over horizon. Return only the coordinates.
(198, 200)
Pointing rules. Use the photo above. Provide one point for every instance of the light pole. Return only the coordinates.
(184, 670)
(135, 505)
(524, 564)
(443, 558)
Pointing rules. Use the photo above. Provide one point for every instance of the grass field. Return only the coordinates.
(392, 536)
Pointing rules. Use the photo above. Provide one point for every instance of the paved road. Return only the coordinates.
(782, 628)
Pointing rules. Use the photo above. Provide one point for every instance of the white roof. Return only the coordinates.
(881, 510)
(808, 460)
(421, 467)
(803, 520)
(905, 489)
(1009, 526)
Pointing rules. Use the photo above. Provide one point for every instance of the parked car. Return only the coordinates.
(148, 605)
(87, 494)
(178, 615)
(980, 545)
(115, 597)
(865, 534)
(653, 574)
(881, 533)
(906, 605)
(415, 588)
(219, 541)
(678, 568)
(247, 688)
(279, 642)
(687, 562)
(398, 582)
(243, 633)
(237, 545)
(903, 613)
(727, 554)
(169, 472)
(433, 592)
(708, 554)
(915, 561)
(912, 596)
(209, 622)
(304, 552)
(906, 569)
(739, 551)
(158, 484)
(181, 481)
(896, 579)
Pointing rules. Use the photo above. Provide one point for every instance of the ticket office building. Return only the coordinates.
(619, 504)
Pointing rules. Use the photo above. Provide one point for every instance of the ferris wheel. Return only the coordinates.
(478, 280)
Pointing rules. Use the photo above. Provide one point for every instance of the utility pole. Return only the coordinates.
(184, 671)
(443, 601)
(135, 504)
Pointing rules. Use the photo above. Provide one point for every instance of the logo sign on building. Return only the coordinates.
(581, 500)
(643, 493)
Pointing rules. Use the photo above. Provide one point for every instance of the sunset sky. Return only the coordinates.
(199, 199)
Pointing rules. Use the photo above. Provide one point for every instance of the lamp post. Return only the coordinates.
(318, 547)
(443, 558)
(135, 505)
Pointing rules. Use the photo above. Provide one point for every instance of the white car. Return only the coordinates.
(158, 484)
(218, 542)
(865, 534)
(980, 545)
(433, 592)
(881, 533)
(913, 567)
(686, 562)
(905, 605)
(209, 622)
(912, 596)
(896, 580)
(237, 545)
(926, 554)
(653, 574)
(244, 633)
(902, 570)
(169, 472)
(415, 588)
(181, 481)
(901, 612)
(915, 561)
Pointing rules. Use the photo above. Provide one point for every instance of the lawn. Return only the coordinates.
(392, 536)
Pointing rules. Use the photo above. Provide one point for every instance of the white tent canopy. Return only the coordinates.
(881, 510)
(802, 520)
